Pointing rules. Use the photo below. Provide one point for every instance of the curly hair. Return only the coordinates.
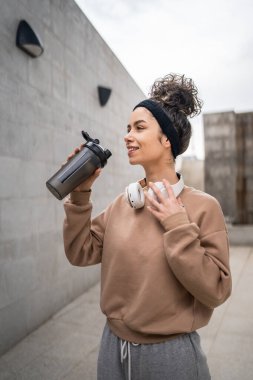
(178, 96)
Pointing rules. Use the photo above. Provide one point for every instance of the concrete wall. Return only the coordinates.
(229, 162)
(220, 160)
(44, 104)
(192, 170)
(244, 122)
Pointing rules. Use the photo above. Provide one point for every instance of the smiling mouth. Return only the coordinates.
(132, 149)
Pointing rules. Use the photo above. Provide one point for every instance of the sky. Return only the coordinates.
(210, 41)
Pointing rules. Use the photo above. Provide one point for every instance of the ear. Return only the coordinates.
(165, 141)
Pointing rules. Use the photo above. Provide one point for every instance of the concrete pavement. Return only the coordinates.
(65, 348)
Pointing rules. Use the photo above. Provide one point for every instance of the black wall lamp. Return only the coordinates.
(28, 41)
(104, 95)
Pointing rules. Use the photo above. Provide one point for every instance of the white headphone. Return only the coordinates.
(135, 194)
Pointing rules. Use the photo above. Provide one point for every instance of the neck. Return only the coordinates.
(158, 174)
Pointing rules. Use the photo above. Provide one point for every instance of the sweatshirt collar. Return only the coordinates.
(177, 187)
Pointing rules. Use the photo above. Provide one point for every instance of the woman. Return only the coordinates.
(165, 266)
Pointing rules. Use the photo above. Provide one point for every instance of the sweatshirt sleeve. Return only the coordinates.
(198, 254)
(83, 238)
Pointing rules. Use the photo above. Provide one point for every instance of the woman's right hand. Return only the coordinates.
(85, 185)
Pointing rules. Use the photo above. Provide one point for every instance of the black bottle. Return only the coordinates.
(78, 168)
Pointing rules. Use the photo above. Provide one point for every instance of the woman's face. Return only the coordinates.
(144, 141)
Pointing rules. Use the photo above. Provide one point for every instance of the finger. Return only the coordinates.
(155, 205)
(169, 189)
(152, 201)
(154, 212)
(70, 156)
(76, 150)
(97, 172)
(157, 192)
(149, 197)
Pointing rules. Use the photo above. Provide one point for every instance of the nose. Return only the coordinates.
(128, 137)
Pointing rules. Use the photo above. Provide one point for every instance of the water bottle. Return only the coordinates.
(80, 167)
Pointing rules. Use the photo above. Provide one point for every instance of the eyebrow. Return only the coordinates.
(136, 123)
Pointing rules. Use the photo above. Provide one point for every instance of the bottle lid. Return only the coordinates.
(93, 144)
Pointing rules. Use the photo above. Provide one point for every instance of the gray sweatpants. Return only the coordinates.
(180, 358)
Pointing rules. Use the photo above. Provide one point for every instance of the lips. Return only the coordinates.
(132, 148)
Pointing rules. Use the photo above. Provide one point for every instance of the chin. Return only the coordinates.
(133, 161)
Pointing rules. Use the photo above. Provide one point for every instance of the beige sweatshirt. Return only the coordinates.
(157, 280)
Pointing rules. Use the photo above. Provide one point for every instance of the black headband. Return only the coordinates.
(164, 122)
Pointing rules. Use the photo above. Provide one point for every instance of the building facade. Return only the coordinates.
(45, 102)
(229, 163)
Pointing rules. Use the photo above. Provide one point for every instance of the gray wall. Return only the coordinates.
(229, 162)
(244, 122)
(44, 104)
(193, 172)
(220, 160)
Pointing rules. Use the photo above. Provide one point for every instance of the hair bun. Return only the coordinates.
(177, 94)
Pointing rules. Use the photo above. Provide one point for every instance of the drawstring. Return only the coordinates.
(124, 352)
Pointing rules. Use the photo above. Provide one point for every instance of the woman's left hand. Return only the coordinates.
(164, 207)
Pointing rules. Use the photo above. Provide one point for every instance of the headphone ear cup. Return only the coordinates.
(135, 195)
